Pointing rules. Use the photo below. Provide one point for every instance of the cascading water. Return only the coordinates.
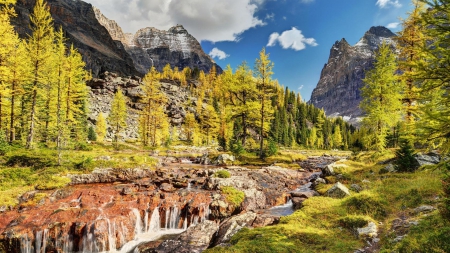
(25, 244)
(146, 229)
(155, 222)
(38, 241)
(153, 231)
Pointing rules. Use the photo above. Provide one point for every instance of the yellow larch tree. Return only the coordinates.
(40, 50)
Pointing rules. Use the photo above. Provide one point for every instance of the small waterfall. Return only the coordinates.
(185, 223)
(174, 218)
(155, 222)
(44, 242)
(167, 218)
(67, 245)
(146, 221)
(38, 241)
(25, 244)
(88, 243)
(138, 226)
(111, 235)
(189, 186)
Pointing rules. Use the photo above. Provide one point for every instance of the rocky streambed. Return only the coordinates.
(171, 209)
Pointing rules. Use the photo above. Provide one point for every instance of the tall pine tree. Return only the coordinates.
(381, 96)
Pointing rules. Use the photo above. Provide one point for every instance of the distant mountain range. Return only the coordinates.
(105, 47)
(338, 90)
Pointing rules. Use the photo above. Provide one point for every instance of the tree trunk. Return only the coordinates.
(12, 132)
(33, 112)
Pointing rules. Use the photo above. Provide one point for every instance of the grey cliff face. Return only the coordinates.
(152, 47)
(77, 18)
(338, 90)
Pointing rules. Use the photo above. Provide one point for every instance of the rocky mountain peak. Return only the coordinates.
(375, 36)
(178, 29)
(338, 90)
(339, 47)
(153, 47)
(380, 31)
(86, 32)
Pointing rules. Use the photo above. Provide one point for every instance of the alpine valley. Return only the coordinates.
(141, 143)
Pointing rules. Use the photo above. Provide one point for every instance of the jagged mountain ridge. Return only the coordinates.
(154, 47)
(338, 89)
(77, 18)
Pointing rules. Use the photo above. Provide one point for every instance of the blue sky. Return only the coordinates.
(234, 31)
(324, 20)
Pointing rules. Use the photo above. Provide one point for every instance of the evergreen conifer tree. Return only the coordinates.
(381, 96)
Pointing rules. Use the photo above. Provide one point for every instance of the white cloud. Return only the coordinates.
(301, 87)
(270, 16)
(393, 25)
(293, 39)
(213, 20)
(217, 53)
(385, 3)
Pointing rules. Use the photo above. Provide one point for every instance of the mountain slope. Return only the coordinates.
(152, 47)
(77, 18)
(338, 90)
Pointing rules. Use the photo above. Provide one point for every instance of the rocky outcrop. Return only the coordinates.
(196, 239)
(113, 209)
(78, 20)
(102, 91)
(338, 191)
(338, 90)
(152, 47)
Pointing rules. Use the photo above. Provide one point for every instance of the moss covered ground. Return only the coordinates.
(328, 225)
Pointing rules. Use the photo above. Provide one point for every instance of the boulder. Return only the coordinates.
(356, 188)
(328, 170)
(220, 209)
(224, 159)
(428, 159)
(254, 200)
(338, 191)
(424, 209)
(263, 220)
(195, 239)
(298, 202)
(370, 231)
(390, 168)
(305, 195)
(231, 226)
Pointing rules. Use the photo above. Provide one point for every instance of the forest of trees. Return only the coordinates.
(406, 95)
(43, 94)
(235, 109)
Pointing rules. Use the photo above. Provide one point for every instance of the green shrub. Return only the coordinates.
(86, 163)
(52, 183)
(236, 148)
(92, 136)
(83, 146)
(272, 148)
(405, 161)
(222, 174)
(36, 161)
(366, 204)
(233, 195)
(353, 221)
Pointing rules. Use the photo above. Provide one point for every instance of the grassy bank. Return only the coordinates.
(328, 225)
(24, 170)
